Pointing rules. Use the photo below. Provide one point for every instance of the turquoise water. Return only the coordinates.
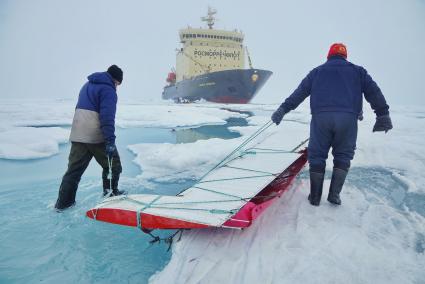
(40, 245)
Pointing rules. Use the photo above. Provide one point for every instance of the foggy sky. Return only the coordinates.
(48, 47)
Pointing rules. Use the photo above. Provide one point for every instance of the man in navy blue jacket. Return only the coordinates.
(336, 91)
(93, 135)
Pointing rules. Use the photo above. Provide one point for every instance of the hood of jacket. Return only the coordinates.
(101, 78)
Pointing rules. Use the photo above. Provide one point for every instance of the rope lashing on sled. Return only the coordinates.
(237, 149)
(221, 201)
(214, 211)
(249, 170)
(257, 150)
(222, 163)
(236, 178)
(109, 176)
(230, 157)
(168, 240)
(148, 205)
(215, 191)
(240, 151)
(158, 206)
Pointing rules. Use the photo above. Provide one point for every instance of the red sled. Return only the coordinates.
(231, 195)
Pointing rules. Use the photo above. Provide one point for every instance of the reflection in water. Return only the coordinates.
(206, 132)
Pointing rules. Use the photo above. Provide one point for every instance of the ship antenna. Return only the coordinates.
(210, 19)
(249, 57)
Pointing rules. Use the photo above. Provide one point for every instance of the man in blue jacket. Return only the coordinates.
(336, 91)
(93, 135)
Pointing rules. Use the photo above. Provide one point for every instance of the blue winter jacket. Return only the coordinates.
(94, 119)
(338, 85)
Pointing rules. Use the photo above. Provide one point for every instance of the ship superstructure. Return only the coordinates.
(210, 65)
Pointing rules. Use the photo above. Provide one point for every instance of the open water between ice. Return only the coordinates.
(38, 244)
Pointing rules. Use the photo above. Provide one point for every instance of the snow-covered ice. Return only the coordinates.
(171, 116)
(17, 113)
(21, 143)
(363, 241)
(171, 162)
(377, 235)
(31, 129)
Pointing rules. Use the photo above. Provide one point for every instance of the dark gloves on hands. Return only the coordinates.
(383, 123)
(278, 115)
(110, 148)
(360, 116)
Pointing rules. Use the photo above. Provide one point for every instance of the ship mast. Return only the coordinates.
(210, 19)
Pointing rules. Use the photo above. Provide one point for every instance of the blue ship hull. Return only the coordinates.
(230, 86)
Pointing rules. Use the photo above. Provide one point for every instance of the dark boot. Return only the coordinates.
(316, 187)
(338, 178)
(114, 184)
(66, 197)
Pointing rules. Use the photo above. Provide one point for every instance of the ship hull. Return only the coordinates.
(230, 86)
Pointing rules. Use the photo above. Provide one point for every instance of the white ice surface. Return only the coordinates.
(401, 150)
(366, 240)
(20, 113)
(171, 162)
(293, 242)
(20, 143)
(20, 140)
(171, 116)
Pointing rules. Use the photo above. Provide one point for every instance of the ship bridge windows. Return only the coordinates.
(221, 37)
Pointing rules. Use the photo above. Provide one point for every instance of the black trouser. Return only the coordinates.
(78, 161)
(332, 129)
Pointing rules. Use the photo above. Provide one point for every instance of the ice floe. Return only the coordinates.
(30, 130)
(21, 143)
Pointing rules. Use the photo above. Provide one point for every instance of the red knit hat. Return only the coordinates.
(338, 49)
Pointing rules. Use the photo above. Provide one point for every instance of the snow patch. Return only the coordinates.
(30, 143)
(60, 113)
(21, 139)
(400, 149)
(293, 242)
(170, 116)
(171, 162)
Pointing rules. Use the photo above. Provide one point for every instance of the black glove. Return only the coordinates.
(360, 116)
(110, 148)
(278, 115)
(383, 123)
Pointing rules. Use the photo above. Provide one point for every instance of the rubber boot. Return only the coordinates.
(337, 181)
(66, 197)
(107, 187)
(316, 187)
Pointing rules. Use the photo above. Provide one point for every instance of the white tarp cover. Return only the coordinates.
(223, 191)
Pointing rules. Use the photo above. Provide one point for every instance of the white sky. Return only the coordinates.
(48, 47)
